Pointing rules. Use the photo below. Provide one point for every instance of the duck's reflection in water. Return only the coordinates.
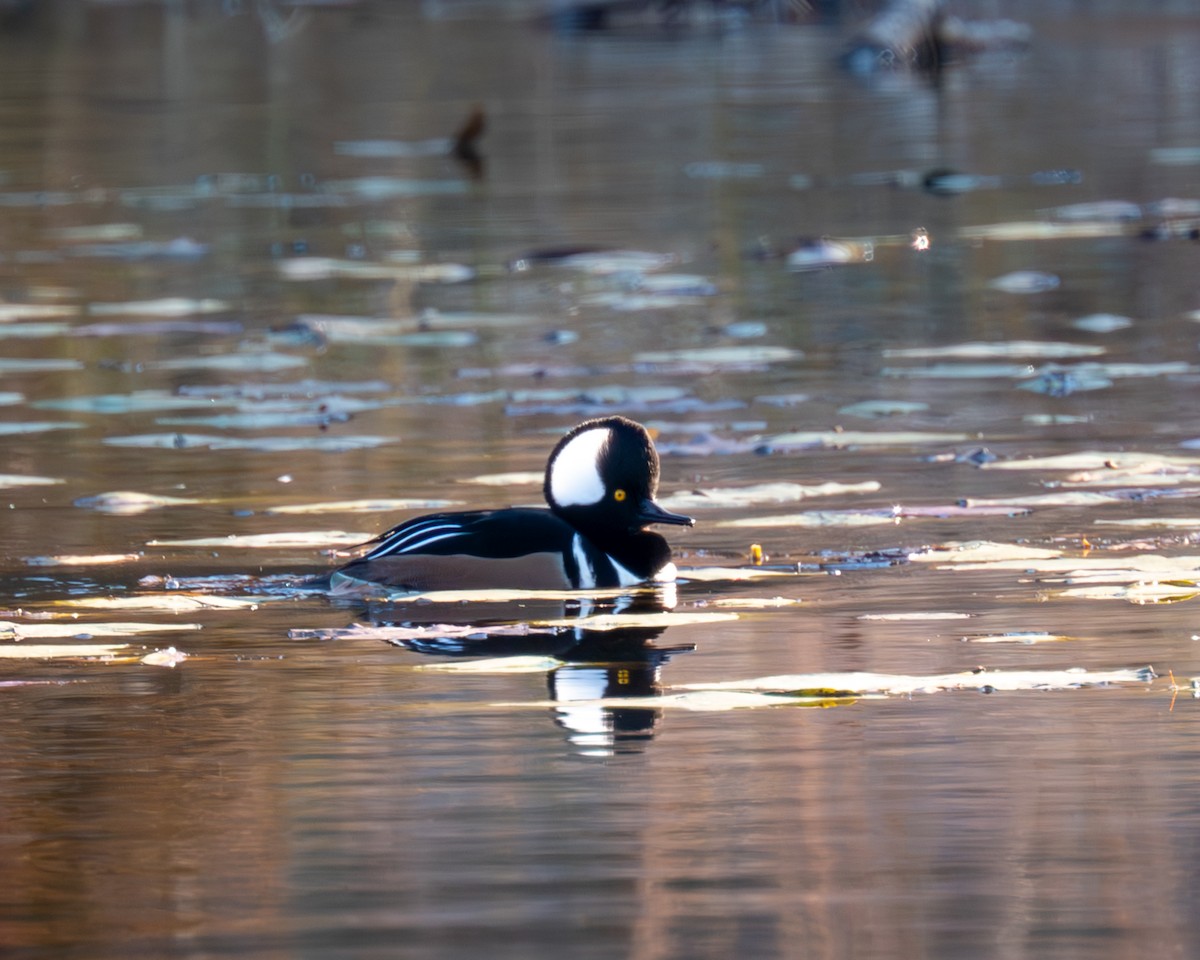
(590, 667)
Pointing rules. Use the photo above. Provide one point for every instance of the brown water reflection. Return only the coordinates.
(167, 175)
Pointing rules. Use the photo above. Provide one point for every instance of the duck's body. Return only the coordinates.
(600, 484)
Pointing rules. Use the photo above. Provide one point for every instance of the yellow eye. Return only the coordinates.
(619, 495)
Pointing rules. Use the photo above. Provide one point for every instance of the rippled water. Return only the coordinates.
(238, 268)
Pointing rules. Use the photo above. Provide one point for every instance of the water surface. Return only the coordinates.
(239, 271)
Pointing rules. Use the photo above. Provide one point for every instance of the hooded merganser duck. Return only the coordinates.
(600, 484)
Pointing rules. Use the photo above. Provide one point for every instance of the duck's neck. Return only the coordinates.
(643, 553)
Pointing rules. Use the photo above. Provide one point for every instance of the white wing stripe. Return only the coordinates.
(400, 540)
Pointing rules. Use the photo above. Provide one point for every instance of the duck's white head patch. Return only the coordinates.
(575, 479)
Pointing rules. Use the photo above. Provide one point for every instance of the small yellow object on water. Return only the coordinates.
(756, 554)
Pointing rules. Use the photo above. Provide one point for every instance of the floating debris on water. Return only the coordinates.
(199, 441)
(1175, 156)
(1025, 282)
(390, 188)
(11, 312)
(364, 506)
(162, 307)
(1097, 210)
(821, 253)
(271, 541)
(235, 362)
(170, 657)
(129, 502)
(116, 403)
(1102, 323)
(875, 409)
(83, 560)
(31, 365)
(8, 480)
(37, 426)
(81, 629)
(723, 170)
(1005, 349)
(721, 356)
(393, 149)
(1062, 382)
(782, 492)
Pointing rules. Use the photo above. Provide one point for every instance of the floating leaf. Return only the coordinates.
(783, 399)
(1140, 593)
(718, 574)
(606, 262)
(179, 248)
(166, 602)
(137, 401)
(264, 420)
(10, 312)
(857, 438)
(1185, 523)
(1175, 156)
(389, 149)
(82, 560)
(363, 506)
(514, 479)
(56, 651)
(272, 541)
(723, 170)
(130, 502)
(1054, 419)
(389, 188)
(753, 603)
(1023, 230)
(38, 365)
(96, 232)
(721, 356)
(983, 551)
(816, 518)
(304, 390)
(11, 630)
(919, 617)
(33, 331)
(237, 362)
(169, 657)
(1063, 382)
(734, 497)
(37, 426)
(1098, 210)
(194, 441)
(633, 302)
(325, 268)
(962, 371)
(1007, 349)
(499, 665)
(162, 307)
(1125, 463)
(1023, 637)
(1102, 323)
(158, 328)
(905, 685)
(872, 409)
(744, 329)
(1025, 282)
(821, 253)
(20, 480)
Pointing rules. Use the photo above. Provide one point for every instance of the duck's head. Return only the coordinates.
(603, 475)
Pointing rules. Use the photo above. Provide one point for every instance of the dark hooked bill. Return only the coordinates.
(651, 512)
